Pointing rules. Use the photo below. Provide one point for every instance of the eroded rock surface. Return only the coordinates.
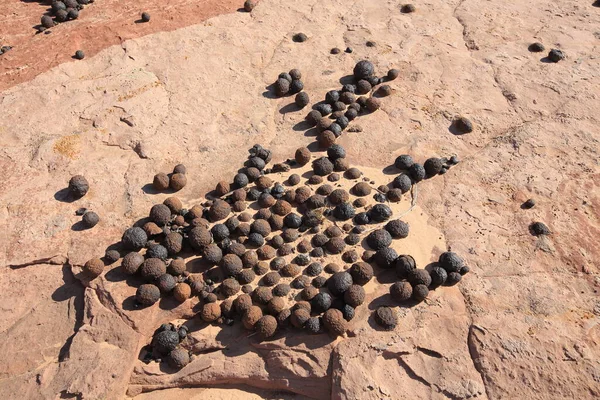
(527, 313)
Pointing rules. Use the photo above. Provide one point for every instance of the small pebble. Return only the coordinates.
(145, 17)
(408, 8)
(335, 50)
(249, 5)
(556, 55)
(528, 204)
(349, 50)
(536, 47)
(90, 219)
(299, 38)
(384, 90)
(539, 229)
(79, 55)
(463, 125)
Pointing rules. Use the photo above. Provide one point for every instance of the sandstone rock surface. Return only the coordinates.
(523, 324)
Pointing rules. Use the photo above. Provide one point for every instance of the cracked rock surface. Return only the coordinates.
(522, 324)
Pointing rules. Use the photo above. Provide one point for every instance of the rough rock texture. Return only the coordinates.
(112, 22)
(527, 312)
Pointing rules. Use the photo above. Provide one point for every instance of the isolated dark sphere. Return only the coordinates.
(539, 229)
(463, 125)
(90, 219)
(78, 186)
(556, 55)
(536, 47)
(386, 317)
(528, 204)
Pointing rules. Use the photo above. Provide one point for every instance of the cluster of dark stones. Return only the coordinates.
(333, 115)
(62, 11)
(535, 228)
(415, 284)
(336, 50)
(238, 248)
(289, 83)
(78, 187)
(175, 181)
(4, 49)
(555, 55)
(167, 343)
(262, 243)
(413, 172)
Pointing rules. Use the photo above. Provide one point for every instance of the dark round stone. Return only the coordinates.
(556, 55)
(539, 229)
(536, 47)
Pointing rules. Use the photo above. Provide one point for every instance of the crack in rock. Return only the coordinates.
(475, 356)
(52, 260)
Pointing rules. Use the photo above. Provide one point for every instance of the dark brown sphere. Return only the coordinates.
(251, 317)
(132, 262)
(178, 181)
(147, 294)
(210, 312)
(182, 292)
(386, 317)
(401, 291)
(242, 303)
(326, 139)
(361, 189)
(229, 287)
(334, 322)
(361, 273)
(153, 268)
(299, 317)
(78, 186)
(354, 296)
(266, 326)
(231, 265)
(302, 156)
(93, 268)
(219, 210)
